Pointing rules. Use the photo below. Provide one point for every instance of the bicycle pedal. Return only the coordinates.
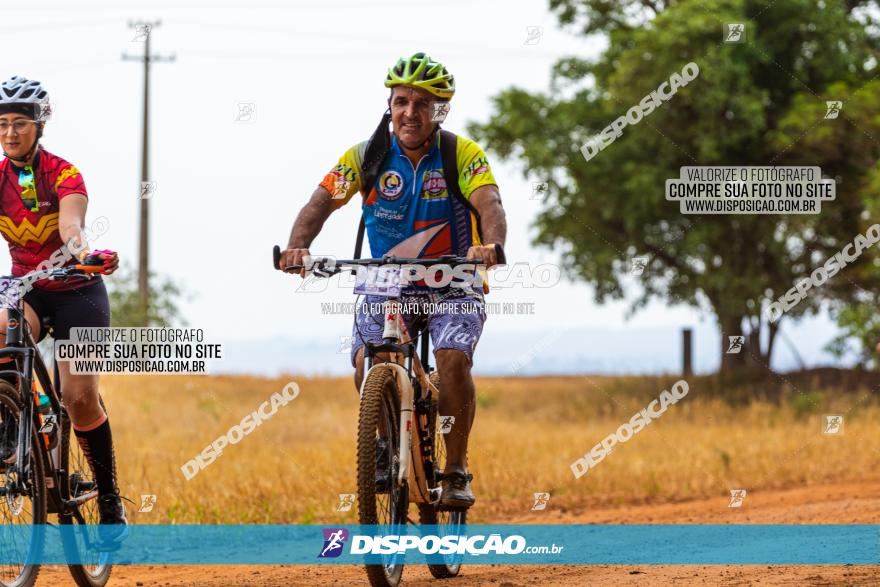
(85, 487)
(434, 494)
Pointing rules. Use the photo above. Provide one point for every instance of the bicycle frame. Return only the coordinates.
(398, 343)
(20, 346)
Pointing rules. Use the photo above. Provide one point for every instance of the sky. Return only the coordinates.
(227, 190)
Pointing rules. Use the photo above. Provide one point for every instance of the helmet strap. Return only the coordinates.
(30, 153)
(433, 136)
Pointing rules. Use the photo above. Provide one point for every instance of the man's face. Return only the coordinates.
(17, 134)
(411, 115)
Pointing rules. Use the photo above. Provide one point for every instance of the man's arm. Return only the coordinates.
(308, 224)
(487, 200)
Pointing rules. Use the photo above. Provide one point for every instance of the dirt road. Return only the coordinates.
(847, 503)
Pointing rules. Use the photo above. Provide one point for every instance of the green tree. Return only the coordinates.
(860, 332)
(761, 102)
(125, 302)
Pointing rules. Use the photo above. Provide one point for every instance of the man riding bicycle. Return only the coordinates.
(43, 203)
(409, 211)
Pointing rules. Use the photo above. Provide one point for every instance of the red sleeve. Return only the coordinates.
(68, 180)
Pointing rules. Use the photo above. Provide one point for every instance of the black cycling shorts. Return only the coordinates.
(84, 307)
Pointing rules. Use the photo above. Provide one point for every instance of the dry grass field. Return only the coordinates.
(527, 433)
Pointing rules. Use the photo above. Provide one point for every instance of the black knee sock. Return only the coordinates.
(97, 445)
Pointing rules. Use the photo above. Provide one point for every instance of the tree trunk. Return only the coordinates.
(773, 331)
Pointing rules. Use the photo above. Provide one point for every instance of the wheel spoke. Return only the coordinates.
(22, 515)
(378, 419)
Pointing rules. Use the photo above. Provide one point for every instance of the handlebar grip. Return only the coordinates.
(276, 257)
(92, 261)
(499, 254)
(89, 268)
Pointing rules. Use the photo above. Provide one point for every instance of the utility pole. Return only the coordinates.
(143, 32)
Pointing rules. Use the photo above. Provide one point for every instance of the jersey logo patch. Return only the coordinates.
(69, 172)
(434, 185)
(22, 233)
(390, 185)
(477, 167)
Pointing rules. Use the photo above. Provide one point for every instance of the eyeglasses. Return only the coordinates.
(18, 127)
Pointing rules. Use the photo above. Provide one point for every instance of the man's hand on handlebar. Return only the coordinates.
(299, 261)
(488, 253)
(298, 257)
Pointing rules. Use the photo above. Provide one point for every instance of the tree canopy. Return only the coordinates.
(759, 102)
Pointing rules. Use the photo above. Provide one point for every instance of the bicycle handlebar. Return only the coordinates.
(451, 260)
(67, 272)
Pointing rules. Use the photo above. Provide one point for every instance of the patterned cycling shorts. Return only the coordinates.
(455, 319)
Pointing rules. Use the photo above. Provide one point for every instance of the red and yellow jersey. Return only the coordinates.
(29, 211)
(408, 212)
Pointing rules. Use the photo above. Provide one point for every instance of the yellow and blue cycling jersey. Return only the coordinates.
(408, 212)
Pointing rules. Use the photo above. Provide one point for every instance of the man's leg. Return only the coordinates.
(455, 331)
(457, 398)
(368, 324)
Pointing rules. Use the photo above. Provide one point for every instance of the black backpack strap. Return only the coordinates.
(359, 242)
(375, 153)
(450, 175)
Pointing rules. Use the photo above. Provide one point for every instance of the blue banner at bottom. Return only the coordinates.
(676, 544)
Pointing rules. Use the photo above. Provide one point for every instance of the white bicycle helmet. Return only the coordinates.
(28, 97)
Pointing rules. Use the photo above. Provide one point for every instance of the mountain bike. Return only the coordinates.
(399, 417)
(48, 473)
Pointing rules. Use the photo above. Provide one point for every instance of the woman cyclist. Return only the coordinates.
(43, 203)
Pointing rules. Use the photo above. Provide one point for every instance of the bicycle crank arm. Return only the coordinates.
(81, 499)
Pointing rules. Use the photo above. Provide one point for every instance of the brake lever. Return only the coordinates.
(320, 269)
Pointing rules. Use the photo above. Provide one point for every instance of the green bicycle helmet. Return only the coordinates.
(422, 72)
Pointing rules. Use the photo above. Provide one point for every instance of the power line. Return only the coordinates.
(289, 32)
(237, 7)
(79, 65)
(29, 27)
(358, 56)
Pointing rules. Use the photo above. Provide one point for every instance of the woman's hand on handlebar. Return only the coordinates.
(107, 259)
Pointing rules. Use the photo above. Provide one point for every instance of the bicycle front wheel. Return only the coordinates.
(88, 565)
(23, 515)
(381, 500)
(449, 523)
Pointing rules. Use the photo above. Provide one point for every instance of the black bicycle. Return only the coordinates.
(47, 473)
(398, 397)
